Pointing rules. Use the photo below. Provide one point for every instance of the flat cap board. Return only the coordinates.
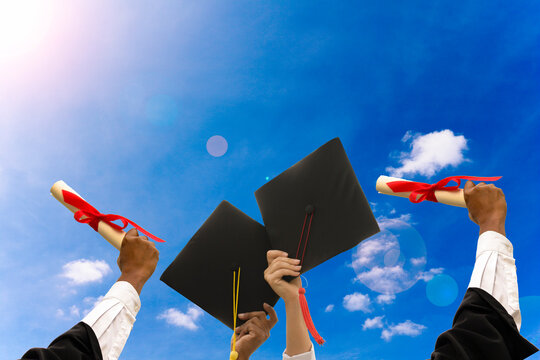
(324, 183)
(202, 272)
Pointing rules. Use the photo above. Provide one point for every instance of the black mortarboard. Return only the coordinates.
(203, 271)
(318, 198)
(316, 210)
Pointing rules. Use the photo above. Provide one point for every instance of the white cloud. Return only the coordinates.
(408, 135)
(185, 320)
(418, 261)
(387, 280)
(84, 271)
(369, 249)
(430, 153)
(407, 328)
(374, 323)
(74, 311)
(385, 299)
(428, 275)
(357, 301)
(329, 308)
(394, 223)
(60, 313)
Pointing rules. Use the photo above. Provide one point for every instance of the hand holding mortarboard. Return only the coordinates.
(224, 261)
(316, 210)
(254, 332)
(279, 265)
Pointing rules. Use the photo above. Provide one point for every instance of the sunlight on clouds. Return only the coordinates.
(430, 153)
(180, 319)
(329, 308)
(85, 271)
(407, 328)
(356, 302)
(24, 25)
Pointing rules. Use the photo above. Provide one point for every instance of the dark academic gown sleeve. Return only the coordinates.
(482, 329)
(78, 343)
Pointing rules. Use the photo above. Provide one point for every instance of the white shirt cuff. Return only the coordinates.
(494, 241)
(310, 355)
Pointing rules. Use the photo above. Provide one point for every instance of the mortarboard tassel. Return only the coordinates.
(236, 290)
(301, 292)
(307, 317)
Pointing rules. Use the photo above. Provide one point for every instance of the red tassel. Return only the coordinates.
(307, 317)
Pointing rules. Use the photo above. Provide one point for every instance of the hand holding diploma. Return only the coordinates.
(418, 192)
(86, 213)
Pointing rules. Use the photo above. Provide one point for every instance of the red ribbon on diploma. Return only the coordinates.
(87, 214)
(421, 191)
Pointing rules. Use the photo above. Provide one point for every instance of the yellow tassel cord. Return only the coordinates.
(235, 292)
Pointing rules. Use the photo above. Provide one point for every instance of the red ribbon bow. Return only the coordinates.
(87, 214)
(421, 191)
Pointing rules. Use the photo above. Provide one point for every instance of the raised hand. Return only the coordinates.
(137, 260)
(279, 265)
(486, 205)
(255, 331)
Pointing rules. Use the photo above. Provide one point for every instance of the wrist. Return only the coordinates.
(496, 226)
(291, 298)
(136, 280)
(242, 356)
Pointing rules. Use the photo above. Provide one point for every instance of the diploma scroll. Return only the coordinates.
(454, 198)
(110, 234)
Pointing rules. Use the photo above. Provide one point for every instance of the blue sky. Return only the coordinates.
(119, 99)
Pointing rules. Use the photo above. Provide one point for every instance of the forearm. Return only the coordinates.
(112, 319)
(495, 272)
(298, 341)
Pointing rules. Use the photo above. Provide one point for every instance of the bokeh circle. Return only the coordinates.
(442, 290)
(217, 146)
(391, 261)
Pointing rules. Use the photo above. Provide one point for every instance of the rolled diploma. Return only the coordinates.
(110, 234)
(454, 198)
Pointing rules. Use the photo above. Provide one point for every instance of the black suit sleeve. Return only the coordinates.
(482, 329)
(78, 343)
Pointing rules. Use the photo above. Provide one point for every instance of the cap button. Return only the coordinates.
(309, 209)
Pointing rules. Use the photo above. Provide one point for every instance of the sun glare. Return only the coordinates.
(23, 26)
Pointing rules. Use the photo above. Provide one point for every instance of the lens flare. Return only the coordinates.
(391, 261)
(24, 24)
(217, 146)
(442, 290)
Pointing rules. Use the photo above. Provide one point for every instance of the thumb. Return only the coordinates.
(469, 185)
(132, 232)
